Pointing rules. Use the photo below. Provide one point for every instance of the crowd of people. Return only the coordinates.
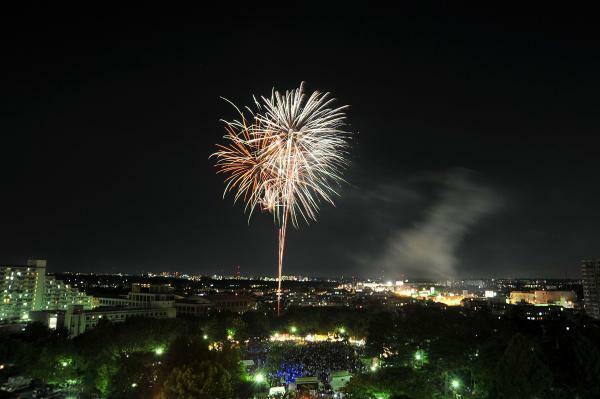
(285, 362)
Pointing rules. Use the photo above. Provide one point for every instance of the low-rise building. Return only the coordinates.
(339, 379)
(50, 318)
(565, 299)
(193, 306)
(310, 385)
(143, 296)
(152, 295)
(162, 296)
(78, 320)
(231, 302)
(521, 297)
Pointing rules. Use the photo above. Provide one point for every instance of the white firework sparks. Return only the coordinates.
(286, 158)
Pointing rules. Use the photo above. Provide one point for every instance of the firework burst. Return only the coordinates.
(285, 157)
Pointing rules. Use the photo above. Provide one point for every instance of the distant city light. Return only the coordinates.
(133, 385)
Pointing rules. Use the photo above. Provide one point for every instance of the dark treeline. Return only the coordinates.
(448, 352)
(422, 352)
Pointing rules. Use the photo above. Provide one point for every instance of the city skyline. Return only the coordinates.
(237, 273)
(472, 153)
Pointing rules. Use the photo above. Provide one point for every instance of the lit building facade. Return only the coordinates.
(27, 289)
(565, 299)
(22, 289)
(590, 273)
(58, 296)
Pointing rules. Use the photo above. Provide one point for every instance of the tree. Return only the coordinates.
(394, 382)
(134, 377)
(588, 367)
(380, 332)
(204, 380)
(521, 374)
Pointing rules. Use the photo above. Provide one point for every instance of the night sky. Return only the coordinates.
(475, 151)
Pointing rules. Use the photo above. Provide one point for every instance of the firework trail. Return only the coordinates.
(285, 157)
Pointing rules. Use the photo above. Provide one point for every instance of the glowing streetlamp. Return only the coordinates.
(230, 333)
(455, 383)
(259, 378)
(205, 337)
(159, 350)
(293, 329)
(342, 330)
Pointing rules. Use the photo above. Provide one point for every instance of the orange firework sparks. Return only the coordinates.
(286, 158)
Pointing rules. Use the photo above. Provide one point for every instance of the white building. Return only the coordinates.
(22, 289)
(26, 289)
(58, 296)
(78, 320)
(339, 379)
(143, 296)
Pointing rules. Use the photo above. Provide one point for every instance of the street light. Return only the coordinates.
(342, 330)
(205, 337)
(159, 350)
(230, 333)
(293, 329)
(259, 378)
(455, 384)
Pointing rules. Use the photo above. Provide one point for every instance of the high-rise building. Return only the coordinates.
(26, 289)
(58, 296)
(590, 273)
(22, 290)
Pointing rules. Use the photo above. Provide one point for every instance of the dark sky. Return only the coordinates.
(475, 150)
